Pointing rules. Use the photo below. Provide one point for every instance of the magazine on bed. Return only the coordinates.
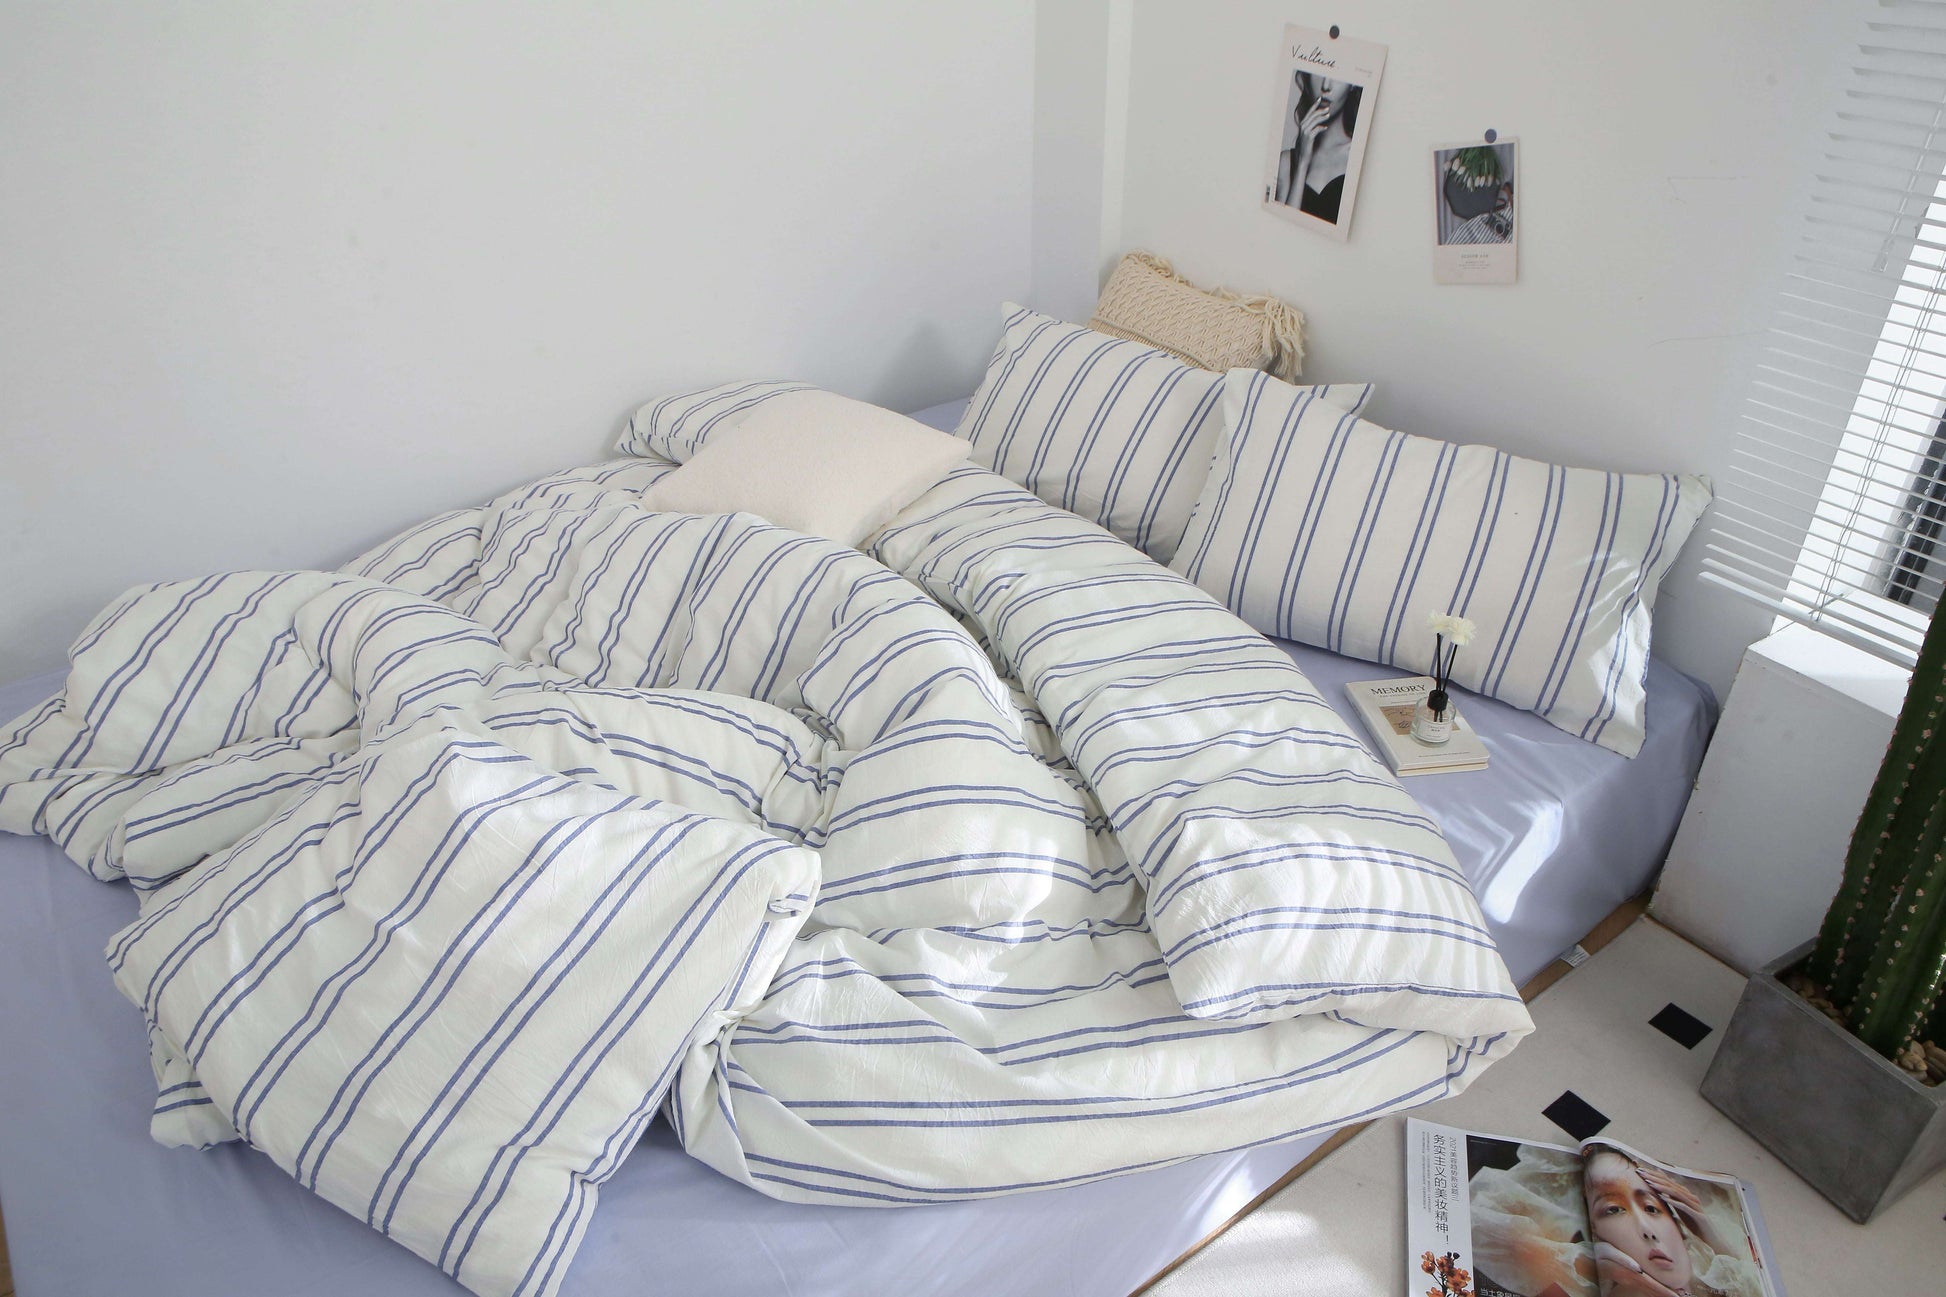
(1494, 1217)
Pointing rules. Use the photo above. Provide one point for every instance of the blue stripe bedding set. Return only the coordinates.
(995, 855)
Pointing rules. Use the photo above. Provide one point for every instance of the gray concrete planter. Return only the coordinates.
(1857, 1128)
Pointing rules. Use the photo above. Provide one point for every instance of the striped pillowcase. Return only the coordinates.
(676, 427)
(1104, 427)
(1320, 527)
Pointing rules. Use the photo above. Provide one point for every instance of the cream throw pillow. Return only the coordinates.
(814, 462)
(1146, 301)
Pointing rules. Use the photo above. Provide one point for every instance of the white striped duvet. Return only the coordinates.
(1101, 882)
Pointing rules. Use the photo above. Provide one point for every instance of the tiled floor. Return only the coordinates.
(1340, 1227)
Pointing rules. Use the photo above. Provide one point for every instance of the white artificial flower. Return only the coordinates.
(1457, 630)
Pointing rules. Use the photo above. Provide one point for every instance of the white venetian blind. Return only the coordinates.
(1833, 503)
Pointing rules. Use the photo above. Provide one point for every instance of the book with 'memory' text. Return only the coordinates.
(1386, 707)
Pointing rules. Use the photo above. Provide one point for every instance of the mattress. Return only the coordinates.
(1553, 835)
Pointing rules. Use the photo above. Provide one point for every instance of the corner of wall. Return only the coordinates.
(1081, 94)
(1114, 136)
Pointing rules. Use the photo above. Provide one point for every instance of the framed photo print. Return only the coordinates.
(1327, 87)
(1476, 200)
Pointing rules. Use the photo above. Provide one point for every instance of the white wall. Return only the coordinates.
(278, 278)
(1663, 147)
(405, 254)
(1081, 71)
(1071, 66)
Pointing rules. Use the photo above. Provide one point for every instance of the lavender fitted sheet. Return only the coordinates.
(1555, 834)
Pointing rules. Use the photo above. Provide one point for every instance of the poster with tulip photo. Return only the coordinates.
(1327, 87)
(1475, 200)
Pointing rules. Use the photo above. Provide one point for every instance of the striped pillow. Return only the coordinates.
(1320, 527)
(1111, 429)
(676, 427)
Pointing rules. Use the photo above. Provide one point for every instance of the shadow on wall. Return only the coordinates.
(925, 349)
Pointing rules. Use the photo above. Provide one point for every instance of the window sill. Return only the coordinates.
(1828, 663)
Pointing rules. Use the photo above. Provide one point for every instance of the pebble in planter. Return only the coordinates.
(1839, 1077)
(1922, 1060)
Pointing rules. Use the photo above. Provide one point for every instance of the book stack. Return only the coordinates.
(1386, 708)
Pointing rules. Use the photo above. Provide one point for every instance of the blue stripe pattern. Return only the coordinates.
(473, 1068)
(455, 863)
(1113, 430)
(1320, 527)
(673, 428)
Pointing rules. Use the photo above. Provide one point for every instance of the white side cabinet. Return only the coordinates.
(1762, 845)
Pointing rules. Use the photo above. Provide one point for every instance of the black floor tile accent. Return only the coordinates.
(1574, 1114)
(1681, 1026)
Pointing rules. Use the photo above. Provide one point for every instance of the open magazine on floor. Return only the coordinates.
(1494, 1217)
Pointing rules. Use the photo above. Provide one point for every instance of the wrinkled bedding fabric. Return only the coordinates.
(1100, 881)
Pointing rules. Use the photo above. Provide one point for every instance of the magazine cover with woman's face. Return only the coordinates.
(1536, 1220)
(1666, 1233)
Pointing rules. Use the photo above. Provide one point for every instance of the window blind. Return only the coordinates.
(1830, 509)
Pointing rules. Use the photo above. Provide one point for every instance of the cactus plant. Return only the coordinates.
(1881, 952)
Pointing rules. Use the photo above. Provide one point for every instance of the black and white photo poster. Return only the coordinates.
(1326, 91)
(1475, 201)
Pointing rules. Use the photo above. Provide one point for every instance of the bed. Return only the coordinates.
(1552, 837)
